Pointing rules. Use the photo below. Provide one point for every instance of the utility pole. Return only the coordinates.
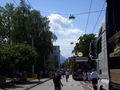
(33, 64)
(44, 63)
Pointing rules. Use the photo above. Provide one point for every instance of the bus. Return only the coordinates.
(79, 65)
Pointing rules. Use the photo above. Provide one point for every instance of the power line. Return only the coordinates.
(88, 16)
(77, 14)
(15, 2)
(89, 12)
(30, 4)
(98, 18)
(82, 13)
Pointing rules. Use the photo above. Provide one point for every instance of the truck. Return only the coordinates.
(105, 50)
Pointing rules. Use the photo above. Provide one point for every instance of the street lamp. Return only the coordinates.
(71, 42)
(71, 17)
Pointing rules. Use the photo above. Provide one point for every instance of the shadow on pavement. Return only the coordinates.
(24, 85)
(13, 87)
(28, 82)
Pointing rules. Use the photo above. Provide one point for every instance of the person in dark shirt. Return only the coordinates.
(57, 81)
(94, 78)
(38, 75)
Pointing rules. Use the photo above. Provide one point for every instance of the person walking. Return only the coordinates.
(67, 75)
(63, 74)
(88, 75)
(94, 77)
(38, 75)
(84, 76)
(57, 81)
(25, 76)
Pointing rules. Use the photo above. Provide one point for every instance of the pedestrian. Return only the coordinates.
(63, 73)
(84, 76)
(88, 75)
(94, 77)
(25, 76)
(38, 75)
(41, 74)
(67, 75)
(50, 74)
(57, 81)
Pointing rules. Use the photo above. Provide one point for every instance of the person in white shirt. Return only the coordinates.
(94, 77)
(67, 75)
(88, 75)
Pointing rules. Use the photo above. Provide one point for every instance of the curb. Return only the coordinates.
(37, 84)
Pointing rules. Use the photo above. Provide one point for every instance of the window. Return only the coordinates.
(99, 44)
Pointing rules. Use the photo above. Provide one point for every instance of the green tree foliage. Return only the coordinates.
(26, 56)
(83, 44)
(6, 61)
(6, 14)
(22, 25)
(16, 57)
(20, 32)
(66, 64)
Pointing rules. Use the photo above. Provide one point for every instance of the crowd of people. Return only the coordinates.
(87, 75)
(90, 75)
(84, 75)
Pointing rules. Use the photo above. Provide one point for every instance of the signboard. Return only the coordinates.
(80, 54)
(81, 59)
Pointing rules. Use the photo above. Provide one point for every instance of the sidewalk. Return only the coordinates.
(28, 85)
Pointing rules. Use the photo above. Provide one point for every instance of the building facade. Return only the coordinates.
(54, 59)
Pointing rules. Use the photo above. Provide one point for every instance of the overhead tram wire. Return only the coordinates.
(98, 18)
(30, 4)
(89, 12)
(82, 13)
(77, 14)
(15, 2)
(88, 16)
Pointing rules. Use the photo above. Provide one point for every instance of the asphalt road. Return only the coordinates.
(70, 85)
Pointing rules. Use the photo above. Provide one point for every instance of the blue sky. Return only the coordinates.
(67, 30)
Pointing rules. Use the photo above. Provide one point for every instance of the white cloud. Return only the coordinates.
(65, 46)
(71, 32)
(63, 26)
(66, 32)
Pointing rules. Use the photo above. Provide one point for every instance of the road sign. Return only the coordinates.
(80, 54)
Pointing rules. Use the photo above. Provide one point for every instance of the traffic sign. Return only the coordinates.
(80, 54)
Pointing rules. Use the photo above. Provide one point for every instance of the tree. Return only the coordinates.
(26, 56)
(20, 32)
(66, 64)
(6, 61)
(27, 26)
(83, 44)
(6, 14)
(45, 47)
(16, 57)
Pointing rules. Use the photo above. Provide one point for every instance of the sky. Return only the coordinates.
(67, 30)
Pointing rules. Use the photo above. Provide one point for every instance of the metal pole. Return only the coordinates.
(44, 63)
(32, 69)
(33, 64)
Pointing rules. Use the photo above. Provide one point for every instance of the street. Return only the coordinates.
(70, 85)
